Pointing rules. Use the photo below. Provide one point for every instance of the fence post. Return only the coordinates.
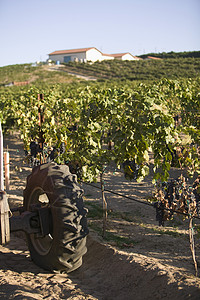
(4, 206)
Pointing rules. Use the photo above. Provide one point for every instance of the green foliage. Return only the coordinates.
(185, 54)
(135, 119)
(10, 73)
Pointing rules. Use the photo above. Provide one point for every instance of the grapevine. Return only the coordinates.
(176, 197)
(89, 127)
(134, 122)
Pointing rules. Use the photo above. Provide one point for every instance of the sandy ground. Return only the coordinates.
(156, 265)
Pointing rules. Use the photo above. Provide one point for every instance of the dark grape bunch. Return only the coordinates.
(36, 155)
(131, 169)
(176, 196)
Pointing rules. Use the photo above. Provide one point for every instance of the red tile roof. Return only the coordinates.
(120, 54)
(21, 82)
(139, 58)
(104, 54)
(153, 57)
(72, 51)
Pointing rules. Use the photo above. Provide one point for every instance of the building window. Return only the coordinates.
(67, 59)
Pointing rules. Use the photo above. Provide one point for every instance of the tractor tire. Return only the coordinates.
(53, 186)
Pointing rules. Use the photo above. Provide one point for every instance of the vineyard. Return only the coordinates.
(172, 66)
(160, 119)
(143, 70)
(135, 128)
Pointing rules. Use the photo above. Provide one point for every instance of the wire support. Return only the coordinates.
(140, 201)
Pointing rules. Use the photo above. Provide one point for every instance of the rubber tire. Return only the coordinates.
(67, 243)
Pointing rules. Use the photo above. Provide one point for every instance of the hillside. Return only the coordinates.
(142, 70)
(38, 74)
(139, 70)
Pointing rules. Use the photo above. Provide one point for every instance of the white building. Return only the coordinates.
(82, 55)
(86, 54)
(125, 56)
(106, 56)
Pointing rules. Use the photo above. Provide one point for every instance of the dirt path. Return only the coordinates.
(60, 68)
(156, 265)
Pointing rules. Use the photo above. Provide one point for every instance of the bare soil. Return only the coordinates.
(152, 262)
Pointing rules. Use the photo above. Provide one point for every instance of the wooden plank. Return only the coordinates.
(4, 217)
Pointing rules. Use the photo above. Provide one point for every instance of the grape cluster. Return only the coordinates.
(176, 196)
(34, 149)
(37, 155)
(131, 169)
(196, 191)
(75, 168)
(62, 148)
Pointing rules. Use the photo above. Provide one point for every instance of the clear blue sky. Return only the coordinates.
(30, 29)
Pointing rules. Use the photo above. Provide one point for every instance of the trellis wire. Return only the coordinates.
(139, 201)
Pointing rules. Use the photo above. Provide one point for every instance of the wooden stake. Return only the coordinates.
(7, 170)
(192, 246)
(104, 203)
(1, 160)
